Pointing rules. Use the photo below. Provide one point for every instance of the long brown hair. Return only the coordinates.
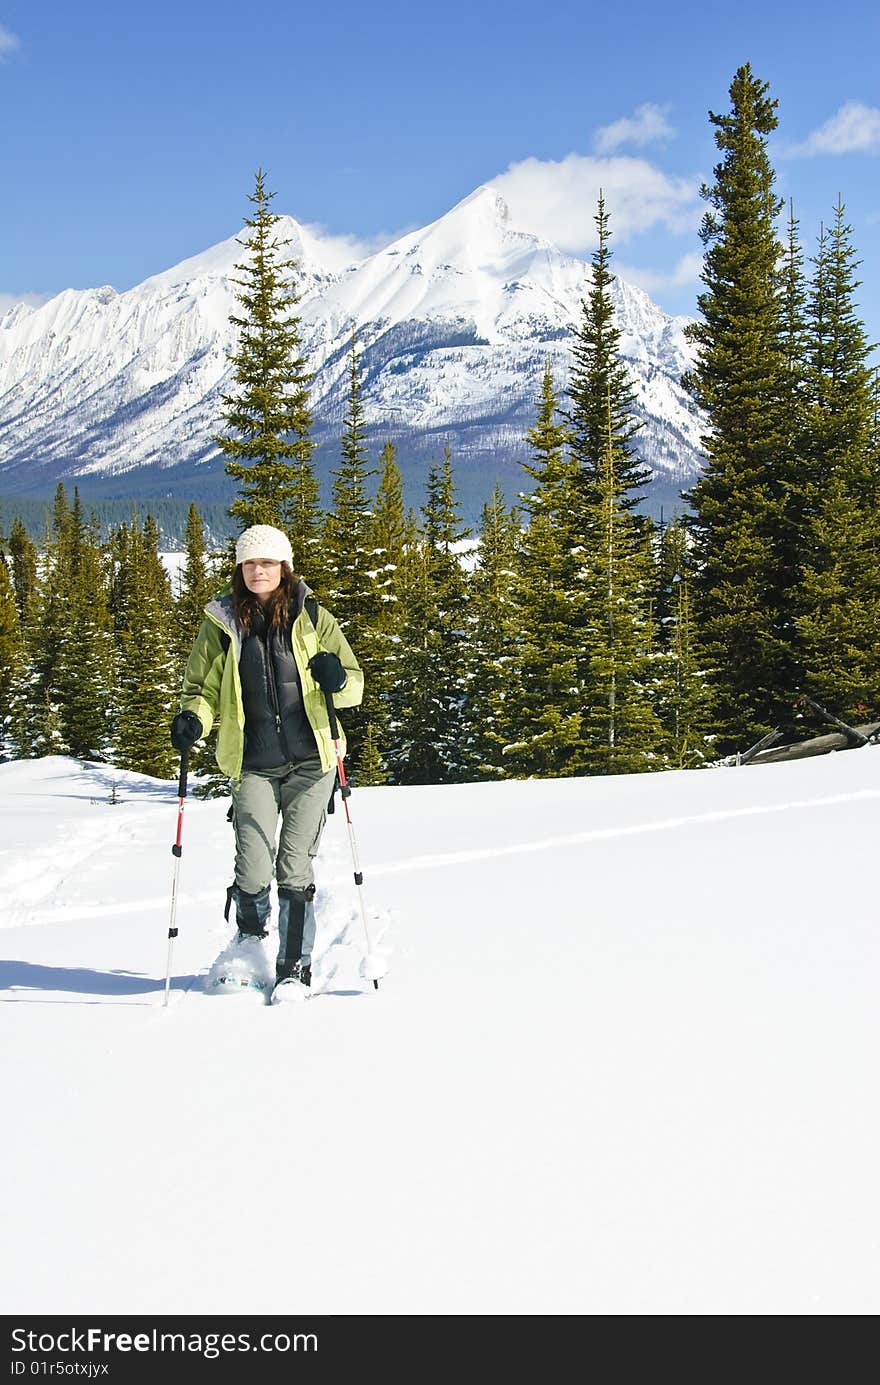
(277, 610)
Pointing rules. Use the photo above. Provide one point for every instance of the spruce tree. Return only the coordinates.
(745, 584)
(389, 536)
(23, 558)
(148, 673)
(392, 533)
(840, 595)
(37, 725)
(268, 446)
(682, 702)
(615, 576)
(598, 374)
(200, 579)
(427, 698)
(622, 732)
(491, 635)
(84, 667)
(349, 560)
(537, 715)
(10, 652)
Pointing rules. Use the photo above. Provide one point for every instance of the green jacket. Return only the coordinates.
(212, 688)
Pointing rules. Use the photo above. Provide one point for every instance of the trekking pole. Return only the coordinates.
(374, 966)
(177, 852)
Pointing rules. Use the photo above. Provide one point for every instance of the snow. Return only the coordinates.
(623, 1060)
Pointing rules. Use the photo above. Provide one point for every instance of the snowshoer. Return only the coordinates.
(264, 660)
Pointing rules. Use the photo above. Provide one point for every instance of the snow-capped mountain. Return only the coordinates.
(455, 323)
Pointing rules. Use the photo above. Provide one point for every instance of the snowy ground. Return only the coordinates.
(624, 1060)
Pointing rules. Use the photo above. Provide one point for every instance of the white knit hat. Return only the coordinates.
(262, 541)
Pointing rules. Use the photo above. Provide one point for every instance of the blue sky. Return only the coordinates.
(131, 134)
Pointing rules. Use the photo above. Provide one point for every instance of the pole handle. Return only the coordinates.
(331, 712)
(184, 768)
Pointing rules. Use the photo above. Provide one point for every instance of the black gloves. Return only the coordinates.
(327, 671)
(186, 729)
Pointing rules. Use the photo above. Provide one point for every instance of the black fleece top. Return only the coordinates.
(276, 729)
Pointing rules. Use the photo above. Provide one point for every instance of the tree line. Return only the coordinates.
(570, 634)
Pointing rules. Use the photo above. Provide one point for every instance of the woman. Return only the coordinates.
(265, 658)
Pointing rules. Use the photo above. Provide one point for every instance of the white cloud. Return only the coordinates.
(32, 300)
(855, 128)
(686, 273)
(339, 251)
(557, 199)
(8, 42)
(647, 126)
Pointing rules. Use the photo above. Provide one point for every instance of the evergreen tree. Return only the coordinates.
(84, 665)
(622, 732)
(842, 601)
(392, 533)
(682, 704)
(491, 636)
(23, 559)
(842, 384)
(268, 446)
(350, 561)
(840, 594)
(371, 769)
(537, 712)
(10, 652)
(148, 682)
(351, 585)
(200, 579)
(745, 583)
(599, 373)
(428, 696)
(36, 725)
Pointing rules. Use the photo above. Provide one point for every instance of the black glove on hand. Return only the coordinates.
(186, 729)
(327, 671)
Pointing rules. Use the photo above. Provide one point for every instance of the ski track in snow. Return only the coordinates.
(44, 871)
(454, 858)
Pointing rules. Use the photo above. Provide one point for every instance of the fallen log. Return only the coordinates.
(816, 745)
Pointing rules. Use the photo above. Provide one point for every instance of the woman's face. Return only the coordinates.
(262, 576)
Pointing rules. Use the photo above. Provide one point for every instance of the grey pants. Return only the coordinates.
(300, 794)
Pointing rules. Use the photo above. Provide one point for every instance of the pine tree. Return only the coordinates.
(84, 667)
(200, 579)
(599, 373)
(537, 715)
(36, 725)
(622, 732)
(745, 584)
(148, 685)
(392, 533)
(268, 445)
(10, 651)
(351, 590)
(682, 703)
(350, 562)
(428, 695)
(491, 636)
(615, 579)
(840, 594)
(371, 769)
(389, 536)
(23, 559)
